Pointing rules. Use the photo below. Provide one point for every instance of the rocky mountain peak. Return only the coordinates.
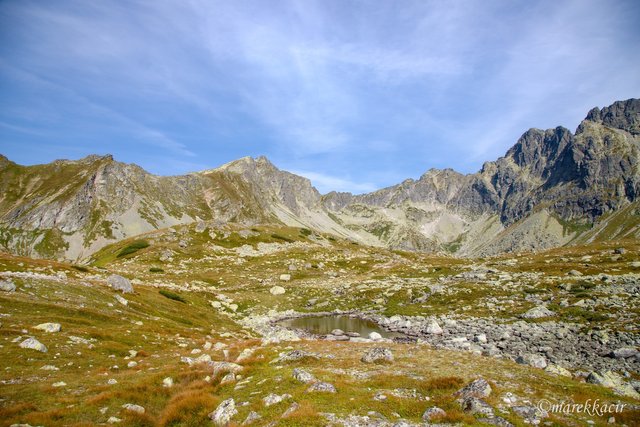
(623, 115)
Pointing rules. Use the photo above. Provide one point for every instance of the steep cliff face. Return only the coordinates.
(550, 188)
(567, 181)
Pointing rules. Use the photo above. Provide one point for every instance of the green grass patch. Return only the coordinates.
(133, 248)
(172, 295)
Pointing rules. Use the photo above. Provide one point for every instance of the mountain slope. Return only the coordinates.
(551, 187)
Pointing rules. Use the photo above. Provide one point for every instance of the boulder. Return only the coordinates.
(377, 355)
(433, 413)
(479, 388)
(251, 418)
(433, 328)
(375, 336)
(303, 376)
(624, 353)
(7, 286)
(557, 370)
(477, 406)
(322, 387)
(49, 327)
(538, 313)
(224, 412)
(535, 360)
(277, 290)
(272, 399)
(285, 277)
(33, 344)
(133, 408)
(120, 283)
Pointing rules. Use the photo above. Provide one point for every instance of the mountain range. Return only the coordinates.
(552, 188)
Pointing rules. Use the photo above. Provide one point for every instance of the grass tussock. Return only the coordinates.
(189, 408)
(17, 409)
(172, 295)
(133, 248)
(444, 383)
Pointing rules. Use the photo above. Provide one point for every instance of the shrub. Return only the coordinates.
(171, 295)
(133, 247)
(80, 268)
(156, 270)
(305, 232)
(279, 237)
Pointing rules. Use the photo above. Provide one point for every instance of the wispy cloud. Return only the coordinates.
(388, 89)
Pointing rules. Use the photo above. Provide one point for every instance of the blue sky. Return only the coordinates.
(355, 95)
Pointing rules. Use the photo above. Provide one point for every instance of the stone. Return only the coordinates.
(277, 290)
(285, 277)
(167, 382)
(321, 387)
(557, 370)
(224, 412)
(50, 368)
(538, 313)
(624, 353)
(49, 327)
(535, 360)
(251, 418)
(114, 420)
(219, 367)
(479, 388)
(574, 273)
(296, 355)
(337, 332)
(481, 338)
(613, 381)
(229, 378)
(530, 414)
(273, 399)
(290, 410)
(120, 283)
(133, 408)
(377, 355)
(121, 300)
(112, 381)
(245, 354)
(375, 336)
(33, 344)
(7, 286)
(132, 364)
(59, 384)
(477, 406)
(303, 376)
(433, 413)
(433, 328)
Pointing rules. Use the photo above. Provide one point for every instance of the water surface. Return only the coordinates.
(323, 325)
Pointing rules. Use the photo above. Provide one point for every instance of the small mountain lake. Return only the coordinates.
(323, 325)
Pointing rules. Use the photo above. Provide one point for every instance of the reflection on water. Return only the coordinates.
(323, 325)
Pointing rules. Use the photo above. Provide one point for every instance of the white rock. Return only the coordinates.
(133, 408)
(285, 277)
(433, 328)
(33, 344)
(132, 364)
(7, 286)
(224, 412)
(120, 283)
(375, 336)
(50, 368)
(167, 382)
(49, 327)
(59, 384)
(538, 312)
(112, 381)
(277, 290)
(114, 420)
(121, 300)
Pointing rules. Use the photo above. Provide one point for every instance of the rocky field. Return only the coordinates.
(181, 327)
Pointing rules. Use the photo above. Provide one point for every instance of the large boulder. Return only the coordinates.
(433, 328)
(303, 376)
(120, 283)
(277, 290)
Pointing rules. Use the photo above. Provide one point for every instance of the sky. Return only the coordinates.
(355, 95)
